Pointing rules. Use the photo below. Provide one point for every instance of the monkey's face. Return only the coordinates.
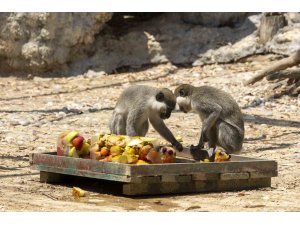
(166, 101)
(183, 97)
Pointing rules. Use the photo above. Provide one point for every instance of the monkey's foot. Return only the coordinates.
(198, 154)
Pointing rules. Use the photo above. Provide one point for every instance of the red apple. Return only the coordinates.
(77, 142)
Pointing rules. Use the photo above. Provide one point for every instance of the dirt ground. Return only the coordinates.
(35, 110)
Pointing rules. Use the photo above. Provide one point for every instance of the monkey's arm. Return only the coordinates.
(164, 131)
(213, 112)
(133, 120)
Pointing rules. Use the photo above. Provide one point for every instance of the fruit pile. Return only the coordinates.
(115, 148)
(72, 144)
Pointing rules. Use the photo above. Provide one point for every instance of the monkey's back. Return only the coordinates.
(135, 95)
(230, 109)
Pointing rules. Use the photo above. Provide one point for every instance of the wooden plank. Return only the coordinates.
(148, 179)
(83, 173)
(206, 176)
(195, 187)
(80, 164)
(233, 176)
(49, 177)
(261, 174)
(176, 178)
(192, 168)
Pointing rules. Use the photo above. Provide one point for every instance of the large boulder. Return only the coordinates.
(40, 42)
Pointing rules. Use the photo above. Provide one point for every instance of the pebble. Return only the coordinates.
(24, 122)
(61, 115)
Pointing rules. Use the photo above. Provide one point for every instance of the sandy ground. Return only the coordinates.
(35, 110)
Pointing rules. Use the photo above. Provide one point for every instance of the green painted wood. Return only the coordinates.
(133, 173)
(80, 164)
(83, 173)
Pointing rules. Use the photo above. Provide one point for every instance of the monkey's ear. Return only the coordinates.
(160, 97)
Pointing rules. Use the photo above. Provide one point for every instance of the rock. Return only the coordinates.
(212, 19)
(36, 42)
(286, 41)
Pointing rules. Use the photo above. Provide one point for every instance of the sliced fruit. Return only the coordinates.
(135, 141)
(70, 136)
(142, 162)
(115, 158)
(144, 152)
(132, 159)
(154, 156)
(72, 152)
(179, 138)
(85, 148)
(123, 159)
(116, 150)
(77, 142)
(104, 151)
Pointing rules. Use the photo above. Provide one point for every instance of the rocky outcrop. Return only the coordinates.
(74, 43)
(211, 19)
(40, 42)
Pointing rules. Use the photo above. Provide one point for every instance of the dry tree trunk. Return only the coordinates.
(282, 64)
(269, 25)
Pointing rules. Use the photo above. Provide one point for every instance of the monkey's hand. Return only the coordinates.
(178, 146)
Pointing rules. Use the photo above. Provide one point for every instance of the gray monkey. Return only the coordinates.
(139, 104)
(222, 120)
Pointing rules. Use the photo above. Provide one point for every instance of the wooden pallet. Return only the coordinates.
(184, 176)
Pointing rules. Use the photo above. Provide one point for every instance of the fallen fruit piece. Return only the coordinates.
(77, 192)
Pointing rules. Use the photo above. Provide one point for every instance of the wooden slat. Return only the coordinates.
(233, 176)
(149, 179)
(195, 187)
(191, 168)
(206, 176)
(80, 164)
(176, 178)
(48, 177)
(83, 173)
(261, 174)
